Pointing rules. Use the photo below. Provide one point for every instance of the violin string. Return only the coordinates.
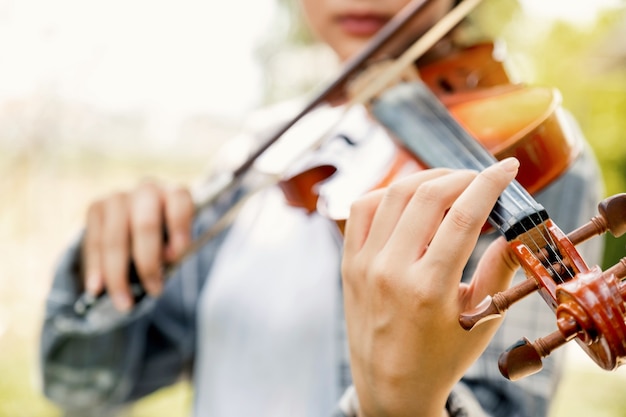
(408, 57)
(543, 229)
(211, 191)
(416, 50)
(549, 242)
(447, 122)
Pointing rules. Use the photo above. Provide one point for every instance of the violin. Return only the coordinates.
(438, 120)
(588, 303)
(462, 112)
(507, 119)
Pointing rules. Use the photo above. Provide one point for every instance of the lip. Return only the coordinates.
(362, 24)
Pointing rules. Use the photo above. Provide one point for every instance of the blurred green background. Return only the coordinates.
(587, 63)
(47, 180)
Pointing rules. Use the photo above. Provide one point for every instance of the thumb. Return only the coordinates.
(494, 272)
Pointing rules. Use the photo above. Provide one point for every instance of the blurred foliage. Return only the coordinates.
(587, 393)
(297, 29)
(586, 63)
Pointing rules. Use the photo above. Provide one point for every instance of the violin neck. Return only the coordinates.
(425, 127)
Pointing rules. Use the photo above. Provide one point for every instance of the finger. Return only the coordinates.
(494, 272)
(146, 225)
(179, 212)
(393, 204)
(424, 213)
(359, 221)
(456, 238)
(91, 250)
(115, 250)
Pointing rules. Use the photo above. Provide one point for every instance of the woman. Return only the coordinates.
(256, 318)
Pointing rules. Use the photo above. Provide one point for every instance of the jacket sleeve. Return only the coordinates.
(460, 403)
(94, 364)
(98, 362)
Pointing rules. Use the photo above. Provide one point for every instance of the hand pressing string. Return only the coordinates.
(405, 250)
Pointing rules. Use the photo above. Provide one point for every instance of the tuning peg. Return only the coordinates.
(613, 209)
(619, 271)
(493, 307)
(524, 358)
(590, 309)
(612, 217)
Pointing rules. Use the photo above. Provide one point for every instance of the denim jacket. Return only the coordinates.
(95, 365)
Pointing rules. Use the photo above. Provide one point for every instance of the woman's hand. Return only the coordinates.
(405, 250)
(131, 225)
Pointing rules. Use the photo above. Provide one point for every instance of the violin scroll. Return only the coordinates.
(591, 310)
(588, 303)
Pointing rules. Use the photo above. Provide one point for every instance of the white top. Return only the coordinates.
(269, 312)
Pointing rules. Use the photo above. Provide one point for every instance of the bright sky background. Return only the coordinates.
(164, 57)
(578, 11)
(161, 55)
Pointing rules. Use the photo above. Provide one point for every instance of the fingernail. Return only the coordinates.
(92, 283)
(154, 286)
(509, 164)
(122, 302)
(179, 243)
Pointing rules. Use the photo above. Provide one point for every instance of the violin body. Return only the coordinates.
(465, 71)
(508, 119)
(588, 303)
(526, 123)
(464, 113)
(459, 116)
